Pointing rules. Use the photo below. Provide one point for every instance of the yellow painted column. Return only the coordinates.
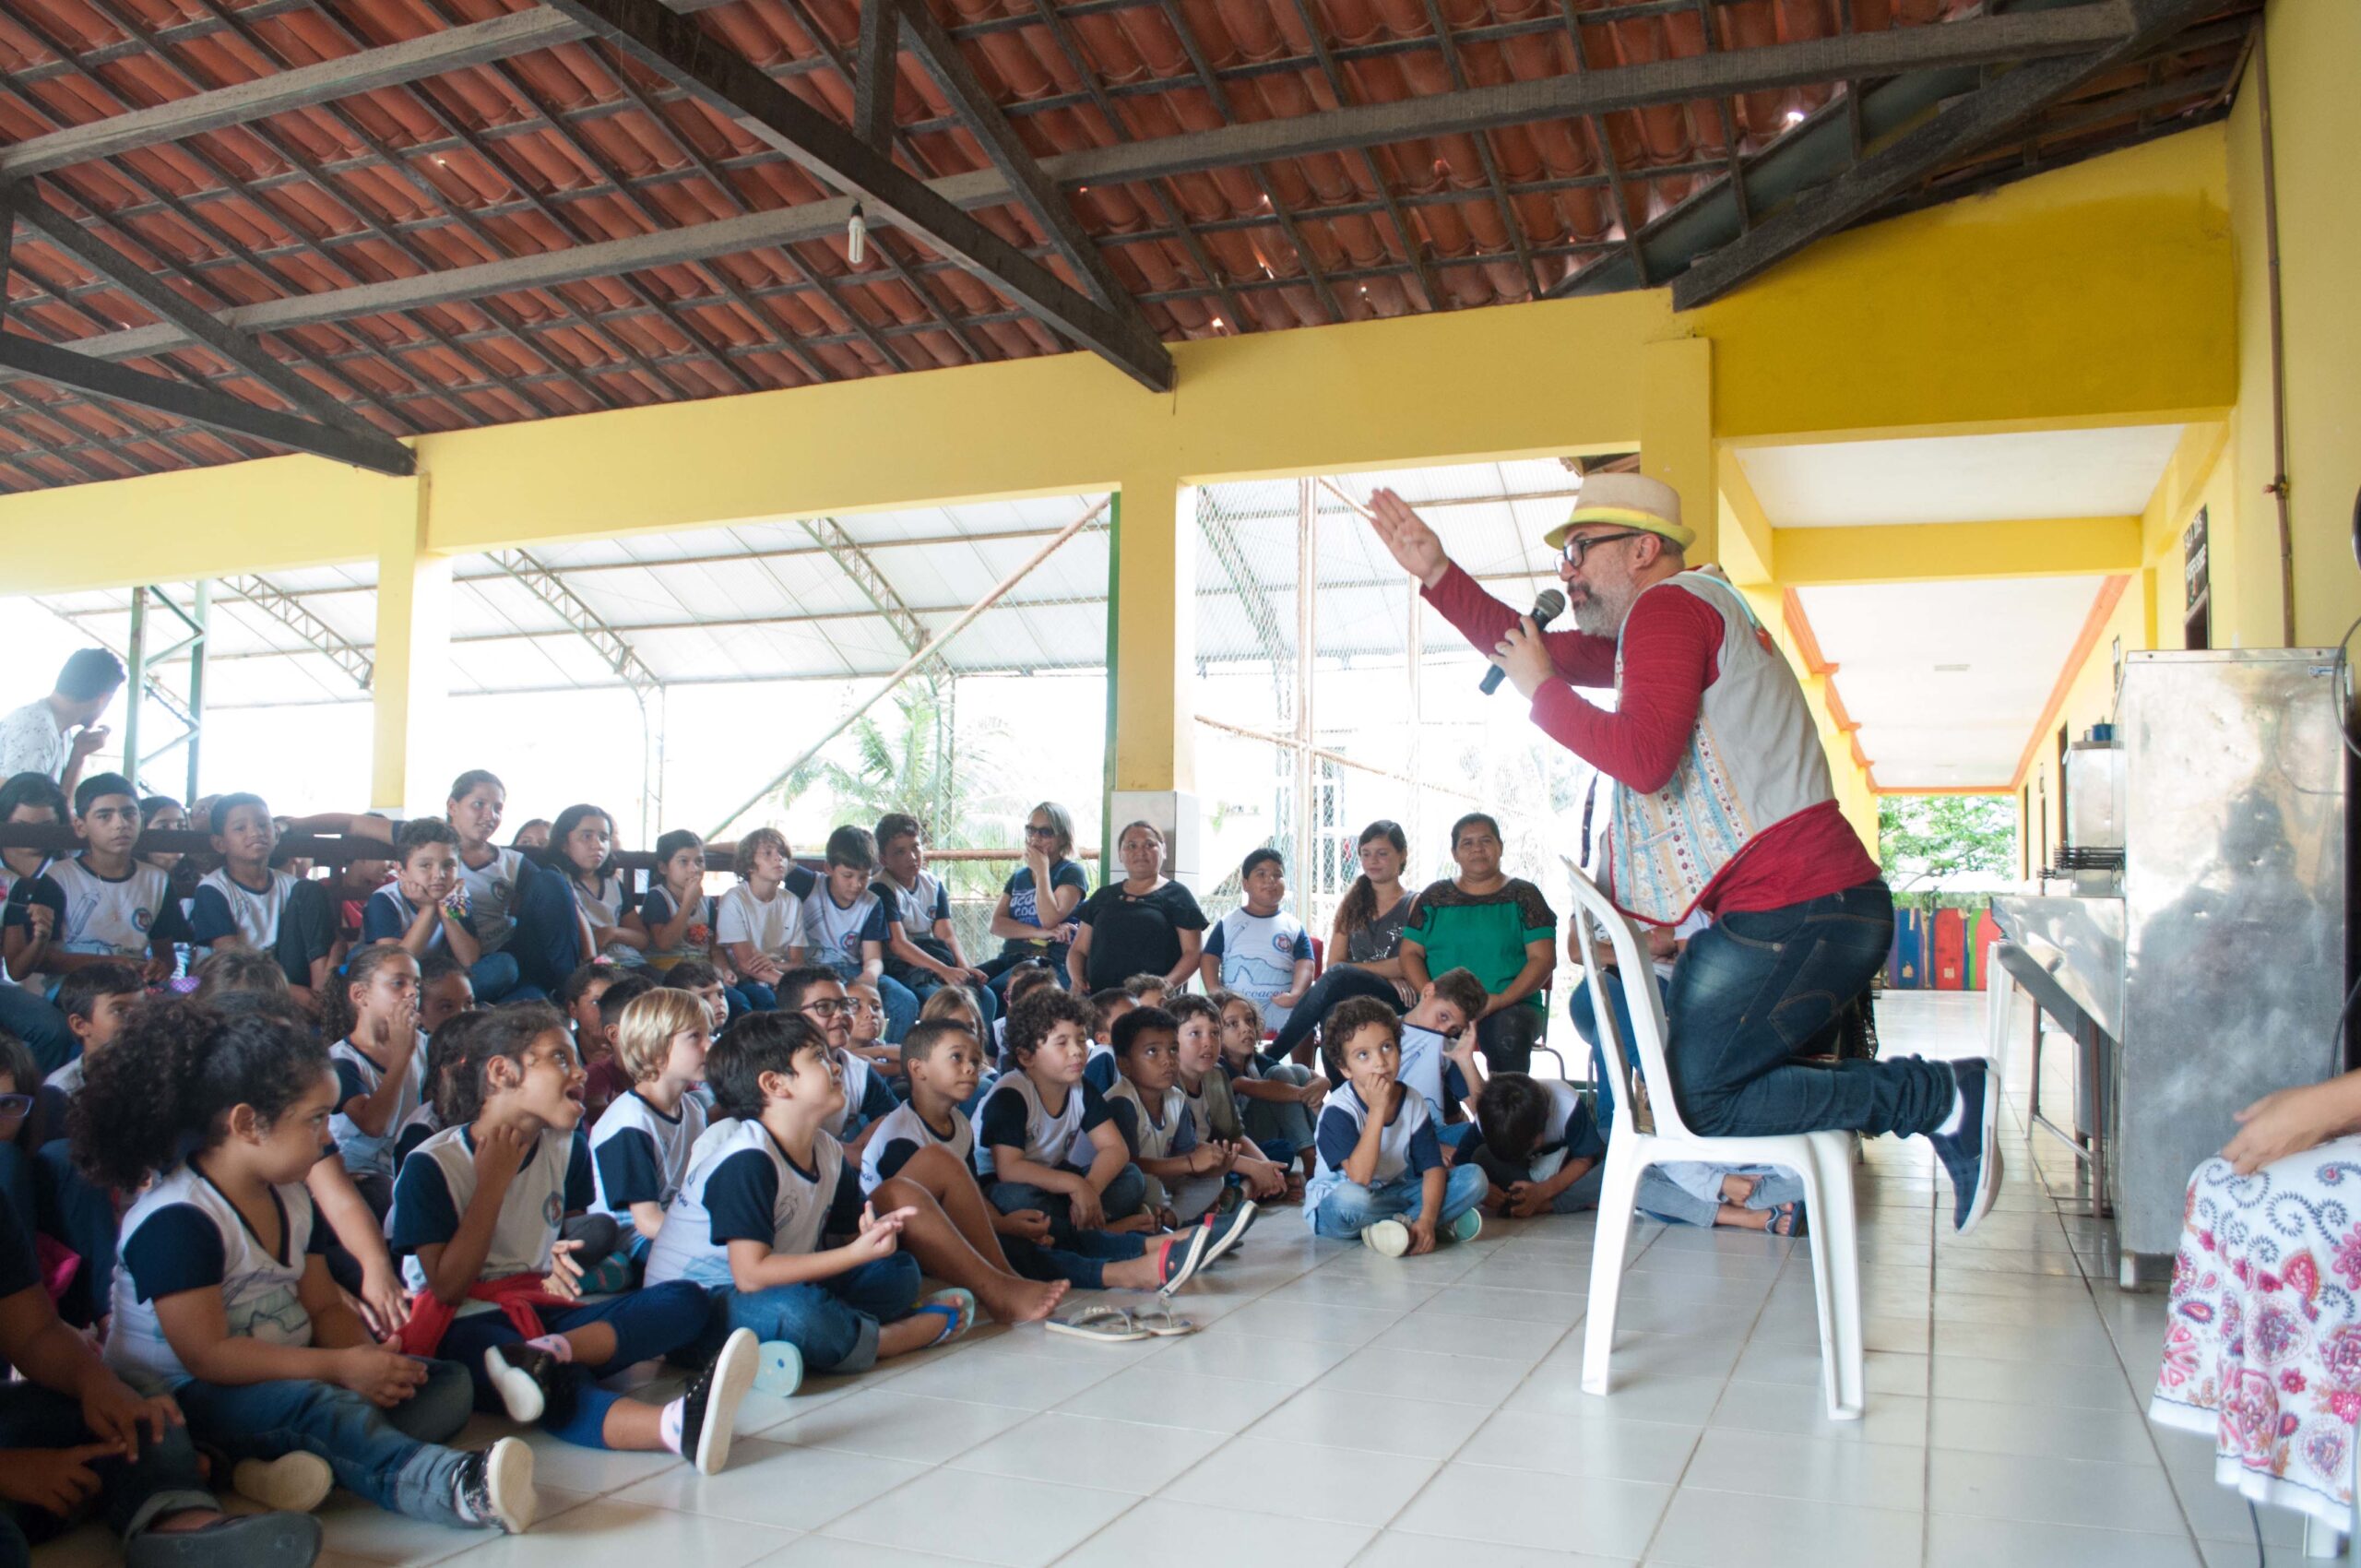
(411, 688)
(1152, 647)
(1676, 433)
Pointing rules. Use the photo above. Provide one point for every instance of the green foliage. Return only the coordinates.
(1925, 838)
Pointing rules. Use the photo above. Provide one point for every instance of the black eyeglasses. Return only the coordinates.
(1033, 832)
(1577, 548)
(16, 1104)
(828, 1007)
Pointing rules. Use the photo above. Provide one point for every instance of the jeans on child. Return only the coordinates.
(653, 1321)
(1340, 983)
(495, 977)
(1124, 1197)
(394, 1456)
(1286, 1120)
(165, 1479)
(834, 1321)
(1348, 1209)
(1661, 1196)
(546, 941)
(757, 997)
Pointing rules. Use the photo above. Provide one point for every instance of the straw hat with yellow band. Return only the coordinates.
(1631, 501)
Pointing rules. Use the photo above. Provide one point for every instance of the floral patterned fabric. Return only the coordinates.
(2262, 1337)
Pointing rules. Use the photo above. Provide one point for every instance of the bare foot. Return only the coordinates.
(1025, 1300)
(1734, 1218)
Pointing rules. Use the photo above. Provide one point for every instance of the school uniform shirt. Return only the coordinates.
(1426, 1069)
(185, 1234)
(867, 1098)
(438, 1180)
(656, 911)
(603, 906)
(638, 1154)
(1100, 1070)
(417, 1127)
(67, 1080)
(742, 1187)
(916, 910)
(23, 894)
(387, 915)
(836, 934)
(1014, 1115)
(1409, 1147)
(1167, 1133)
(492, 894)
(1258, 955)
(357, 1076)
(1570, 1131)
(108, 917)
(904, 1133)
(226, 906)
(772, 927)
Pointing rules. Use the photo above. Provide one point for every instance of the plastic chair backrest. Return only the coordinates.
(1651, 1107)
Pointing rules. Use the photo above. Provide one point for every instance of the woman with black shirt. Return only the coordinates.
(1146, 924)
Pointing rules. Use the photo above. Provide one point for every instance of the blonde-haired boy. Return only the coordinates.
(639, 1150)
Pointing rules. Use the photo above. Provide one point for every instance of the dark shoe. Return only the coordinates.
(1181, 1255)
(1225, 1231)
(1971, 1157)
(495, 1486)
(242, 1540)
(709, 1416)
(521, 1374)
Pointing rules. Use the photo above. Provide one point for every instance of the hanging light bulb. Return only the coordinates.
(856, 237)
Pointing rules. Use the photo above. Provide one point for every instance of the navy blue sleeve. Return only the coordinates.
(19, 1270)
(1336, 1136)
(316, 1239)
(876, 1101)
(941, 902)
(581, 1187)
(175, 1248)
(41, 890)
(1214, 941)
(208, 918)
(381, 921)
(655, 906)
(423, 1214)
(1425, 1152)
(1003, 1121)
(349, 1086)
(1094, 1106)
(844, 1209)
(1100, 1073)
(890, 1159)
(741, 1199)
(801, 880)
(880, 915)
(1184, 1134)
(628, 1166)
(1302, 945)
(1454, 1083)
(1126, 1117)
(1070, 874)
(408, 1138)
(1584, 1138)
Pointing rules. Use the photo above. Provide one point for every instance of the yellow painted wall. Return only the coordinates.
(2317, 124)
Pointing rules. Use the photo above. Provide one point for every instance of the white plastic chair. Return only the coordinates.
(1648, 1131)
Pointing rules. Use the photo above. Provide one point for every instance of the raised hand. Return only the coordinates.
(1407, 539)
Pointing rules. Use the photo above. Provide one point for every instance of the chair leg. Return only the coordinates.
(1838, 1219)
(1824, 1297)
(1618, 1189)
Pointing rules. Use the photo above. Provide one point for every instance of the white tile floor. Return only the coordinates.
(1339, 1407)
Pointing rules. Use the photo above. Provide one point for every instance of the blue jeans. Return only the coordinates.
(546, 944)
(1278, 1121)
(1123, 1198)
(30, 1018)
(751, 996)
(495, 977)
(653, 1321)
(832, 1322)
(1752, 989)
(1348, 1209)
(394, 1456)
(165, 1480)
(1337, 984)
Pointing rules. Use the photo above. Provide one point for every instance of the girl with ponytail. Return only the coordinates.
(223, 1297)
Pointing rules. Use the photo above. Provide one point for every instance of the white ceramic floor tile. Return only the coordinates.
(1720, 1530)
(1334, 1417)
(1868, 1475)
(1958, 1542)
(1340, 1485)
(771, 1483)
(1158, 1531)
(1395, 1548)
(2055, 1491)
(1801, 1410)
(2081, 1384)
(360, 1529)
(897, 1426)
(1577, 1445)
(992, 1518)
(1150, 1394)
(1244, 1356)
(1594, 1513)
(2119, 1437)
(1131, 1457)
(1451, 1378)
(606, 1532)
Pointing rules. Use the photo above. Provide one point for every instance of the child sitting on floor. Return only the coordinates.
(846, 926)
(1107, 1006)
(1262, 1173)
(1380, 1175)
(697, 976)
(765, 1187)
(478, 1210)
(760, 924)
(379, 1058)
(223, 1300)
(1278, 1099)
(819, 997)
(96, 1000)
(957, 1004)
(639, 1149)
(1184, 1176)
(1046, 1139)
(676, 912)
(425, 906)
(582, 850)
(1024, 979)
(446, 1046)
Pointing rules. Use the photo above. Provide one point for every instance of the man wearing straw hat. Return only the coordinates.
(1722, 804)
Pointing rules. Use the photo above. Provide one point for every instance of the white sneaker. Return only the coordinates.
(1387, 1238)
(292, 1483)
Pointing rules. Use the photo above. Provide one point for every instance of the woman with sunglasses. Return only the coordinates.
(1722, 804)
(1035, 916)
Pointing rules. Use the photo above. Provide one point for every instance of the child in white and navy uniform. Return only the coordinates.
(380, 1062)
(1046, 1141)
(521, 913)
(766, 1188)
(104, 903)
(1259, 950)
(223, 1298)
(479, 1209)
(244, 903)
(1380, 1176)
(846, 926)
(640, 1149)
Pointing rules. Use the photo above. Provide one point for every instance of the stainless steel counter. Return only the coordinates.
(2077, 940)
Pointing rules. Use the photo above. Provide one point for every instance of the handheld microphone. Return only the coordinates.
(1548, 608)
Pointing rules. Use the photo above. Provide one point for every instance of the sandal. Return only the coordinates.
(1107, 1325)
(1179, 1257)
(1787, 1219)
(1160, 1323)
(957, 1310)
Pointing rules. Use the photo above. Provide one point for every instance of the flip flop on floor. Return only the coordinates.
(1787, 1219)
(957, 1310)
(1160, 1323)
(1107, 1325)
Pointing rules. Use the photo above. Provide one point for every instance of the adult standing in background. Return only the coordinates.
(56, 734)
(1722, 804)
(1496, 927)
(1145, 924)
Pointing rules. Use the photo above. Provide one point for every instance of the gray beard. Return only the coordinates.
(1601, 614)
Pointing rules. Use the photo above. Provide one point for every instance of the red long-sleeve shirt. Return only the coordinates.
(1671, 647)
